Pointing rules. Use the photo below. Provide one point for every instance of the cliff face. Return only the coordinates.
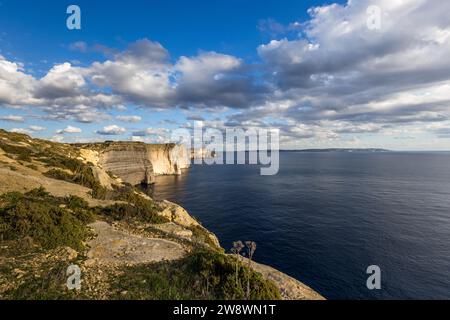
(168, 159)
(137, 163)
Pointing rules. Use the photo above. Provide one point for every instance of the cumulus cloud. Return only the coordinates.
(141, 74)
(340, 77)
(12, 118)
(16, 87)
(343, 70)
(69, 129)
(37, 128)
(130, 119)
(152, 135)
(20, 130)
(112, 130)
(62, 93)
(61, 81)
(151, 131)
(215, 80)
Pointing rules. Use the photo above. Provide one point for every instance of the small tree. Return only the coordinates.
(251, 248)
(236, 250)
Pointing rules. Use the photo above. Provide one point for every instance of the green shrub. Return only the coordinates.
(24, 157)
(83, 176)
(136, 207)
(74, 202)
(51, 285)
(142, 212)
(99, 192)
(44, 218)
(200, 234)
(56, 160)
(33, 167)
(22, 153)
(59, 175)
(202, 275)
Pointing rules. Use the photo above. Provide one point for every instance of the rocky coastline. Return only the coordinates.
(26, 164)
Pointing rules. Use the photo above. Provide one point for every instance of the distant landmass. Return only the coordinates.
(345, 150)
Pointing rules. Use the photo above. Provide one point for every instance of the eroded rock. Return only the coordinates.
(116, 247)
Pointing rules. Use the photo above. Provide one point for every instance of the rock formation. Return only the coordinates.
(137, 163)
(201, 153)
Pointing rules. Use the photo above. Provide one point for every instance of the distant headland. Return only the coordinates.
(341, 150)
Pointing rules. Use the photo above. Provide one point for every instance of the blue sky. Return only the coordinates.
(36, 31)
(321, 76)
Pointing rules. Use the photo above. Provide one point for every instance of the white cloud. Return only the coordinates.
(79, 46)
(69, 129)
(130, 119)
(347, 79)
(140, 73)
(37, 128)
(152, 135)
(57, 138)
(12, 118)
(61, 81)
(112, 130)
(16, 86)
(20, 130)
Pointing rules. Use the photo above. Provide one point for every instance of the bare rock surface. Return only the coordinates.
(114, 247)
(174, 229)
(290, 288)
(177, 214)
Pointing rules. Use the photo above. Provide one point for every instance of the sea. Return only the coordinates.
(328, 216)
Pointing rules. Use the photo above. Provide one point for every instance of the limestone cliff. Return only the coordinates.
(137, 163)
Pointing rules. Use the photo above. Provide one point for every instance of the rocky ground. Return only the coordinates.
(113, 246)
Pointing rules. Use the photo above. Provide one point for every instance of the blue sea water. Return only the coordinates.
(326, 217)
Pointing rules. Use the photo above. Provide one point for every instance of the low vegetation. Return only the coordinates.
(144, 212)
(49, 284)
(82, 175)
(204, 274)
(201, 235)
(44, 220)
(19, 152)
(50, 221)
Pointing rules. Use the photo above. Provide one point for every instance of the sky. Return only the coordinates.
(327, 74)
